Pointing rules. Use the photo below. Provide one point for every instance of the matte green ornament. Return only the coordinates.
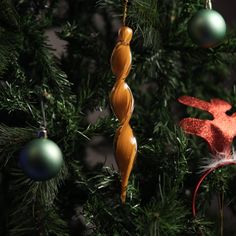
(207, 28)
(41, 159)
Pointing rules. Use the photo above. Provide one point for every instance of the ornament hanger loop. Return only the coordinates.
(43, 128)
(208, 4)
(125, 11)
(203, 177)
(43, 114)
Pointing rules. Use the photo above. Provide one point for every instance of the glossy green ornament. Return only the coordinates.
(207, 28)
(41, 159)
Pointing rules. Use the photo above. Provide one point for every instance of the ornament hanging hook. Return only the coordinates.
(125, 11)
(208, 4)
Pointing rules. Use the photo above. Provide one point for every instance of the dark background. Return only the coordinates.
(227, 9)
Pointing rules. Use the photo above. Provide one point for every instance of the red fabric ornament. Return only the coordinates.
(218, 132)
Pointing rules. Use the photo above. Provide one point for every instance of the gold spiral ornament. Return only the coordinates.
(122, 104)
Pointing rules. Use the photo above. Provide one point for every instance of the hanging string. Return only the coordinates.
(208, 4)
(125, 11)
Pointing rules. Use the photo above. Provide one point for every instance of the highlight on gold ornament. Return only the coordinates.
(122, 104)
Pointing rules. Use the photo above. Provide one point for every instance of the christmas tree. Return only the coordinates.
(60, 101)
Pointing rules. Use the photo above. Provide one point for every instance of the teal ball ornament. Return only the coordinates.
(41, 159)
(207, 28)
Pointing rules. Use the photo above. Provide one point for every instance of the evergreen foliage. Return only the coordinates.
(166, 65)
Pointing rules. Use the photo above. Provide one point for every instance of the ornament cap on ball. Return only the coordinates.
(207, 28)
(41, 159)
